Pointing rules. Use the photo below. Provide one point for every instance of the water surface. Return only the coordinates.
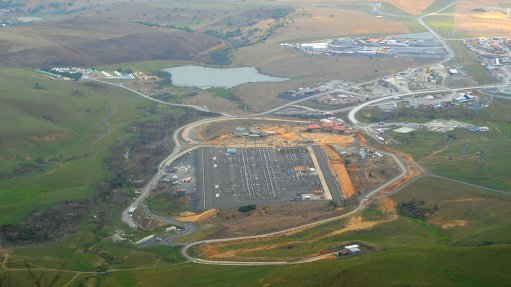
(205, 77)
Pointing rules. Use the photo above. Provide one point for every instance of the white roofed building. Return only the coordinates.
(315, 47)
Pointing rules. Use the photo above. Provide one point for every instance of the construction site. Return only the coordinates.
(255, 175)
(275, 163)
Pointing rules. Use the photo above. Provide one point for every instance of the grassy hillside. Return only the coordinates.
(465, 243)
(57, 135)
(54, 138)
(438, 267)
(90, 42)
(64, 175)
(479, 158)
(435, 252)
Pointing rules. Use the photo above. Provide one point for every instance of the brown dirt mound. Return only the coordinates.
(198, 217)
(388, 205)
(338, 168)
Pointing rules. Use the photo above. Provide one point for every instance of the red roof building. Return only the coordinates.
(312, 127)
(328, 125)
(339, 128)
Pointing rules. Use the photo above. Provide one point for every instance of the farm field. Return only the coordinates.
(491, 23)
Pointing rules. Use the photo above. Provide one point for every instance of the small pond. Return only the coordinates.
(205, 77)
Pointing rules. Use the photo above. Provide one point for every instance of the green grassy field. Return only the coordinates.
(441, 267)
(463, 254)
(469, 60)
(475, 157)
(478, 158)
(166, 204)
(51, 145)
(482, 214)
(475, 254)
(437, 5)
(58, 133)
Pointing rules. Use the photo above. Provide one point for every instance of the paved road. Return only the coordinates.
(335, 189)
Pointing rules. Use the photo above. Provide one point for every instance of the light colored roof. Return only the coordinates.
(354, 249)
(404, 130)
(321, 45)
(352, 246)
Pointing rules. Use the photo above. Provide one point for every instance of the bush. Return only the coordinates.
(416, 209)
(247, 208)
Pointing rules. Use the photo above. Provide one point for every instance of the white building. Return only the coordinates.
(353, 249)
(315, 47)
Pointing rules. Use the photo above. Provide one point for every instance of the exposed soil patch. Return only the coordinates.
(192, 217)
(48, 138)
(447, 224)
(487, 24)
(338, 169)
(213, 251)
(269, 218)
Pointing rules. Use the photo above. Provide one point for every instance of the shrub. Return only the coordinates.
(247, 208)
